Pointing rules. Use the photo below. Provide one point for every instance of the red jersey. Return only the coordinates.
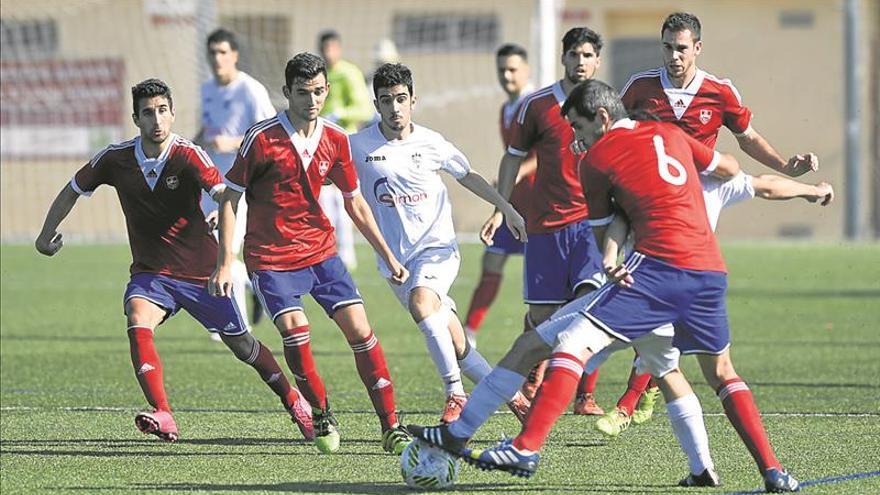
(558, 198)
(160, 198)
(521, 196)
(700, 109)
(651, 170)
(281, 174)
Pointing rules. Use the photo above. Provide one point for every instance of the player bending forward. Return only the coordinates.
(290, 249)
(676, 274)
(399, 162)
(159, 177)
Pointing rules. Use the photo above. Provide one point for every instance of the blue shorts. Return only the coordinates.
(558, 263)
(216, 314)
(504, 243)
(693, 301)
(328, 282)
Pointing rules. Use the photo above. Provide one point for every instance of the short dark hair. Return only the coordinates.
(220, 35)
(679, 21)
(510, 49)
(148, 89)
(390, 75)
(580, 35)
(328, 35)
(589, 96)
(304, 66)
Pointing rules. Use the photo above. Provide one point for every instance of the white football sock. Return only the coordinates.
(442, 351)
(495, 389)
(686, 417)
(239, 289)
(473, 365)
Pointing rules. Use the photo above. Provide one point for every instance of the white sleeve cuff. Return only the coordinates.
(216, 189)
(351, 194)
(716, 158)
(745, 132)
(234, 186)
(601, 222)
(515, 152)
(79, 190)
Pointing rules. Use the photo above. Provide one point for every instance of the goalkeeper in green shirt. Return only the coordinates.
(348, 105)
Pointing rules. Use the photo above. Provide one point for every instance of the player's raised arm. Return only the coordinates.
(360, 213)
(507, 174)
(49, 241)
(220, 283)
(477, 184)
(774, 187)
(754, 145)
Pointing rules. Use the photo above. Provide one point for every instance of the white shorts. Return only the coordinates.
(433, 268)
(568, 330)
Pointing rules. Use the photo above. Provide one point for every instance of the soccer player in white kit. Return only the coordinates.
(398, 164)
(232, 101)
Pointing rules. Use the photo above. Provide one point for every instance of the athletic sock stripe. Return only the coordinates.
(296, 340)
(254, 353)
(365, 346)
(725, 392)
(566, 364)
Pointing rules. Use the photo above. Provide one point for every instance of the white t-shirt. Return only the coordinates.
(401, 182)
(231, 110)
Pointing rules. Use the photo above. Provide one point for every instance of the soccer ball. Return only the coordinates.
(425, 467)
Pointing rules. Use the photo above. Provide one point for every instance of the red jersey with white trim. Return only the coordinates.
(558, 198)
(167, 232)
(521, 196)
(281, 174)
(700, 109)
(651, 170)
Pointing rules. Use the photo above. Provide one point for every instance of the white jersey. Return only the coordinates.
(401, 182)
(719, 193)
(231, 110)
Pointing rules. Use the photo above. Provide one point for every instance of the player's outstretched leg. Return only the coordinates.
(148, 370)
(259, 357)
(741, 410)
(520, 456)
(301, 362)
(373, 370)
(536, 374)
(483, 297)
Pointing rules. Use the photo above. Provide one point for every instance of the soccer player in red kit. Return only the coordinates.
(290, 248)
(649, 171)
(562, 261)
(700, 103)
(512, 66)
(159, 177)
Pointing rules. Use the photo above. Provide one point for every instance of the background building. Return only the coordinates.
(67, 67)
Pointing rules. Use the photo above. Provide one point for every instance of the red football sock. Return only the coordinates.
(588, 383)
(553, 397)
(484, 294)
(635, 387)
(298, 354)
(264, 362)
(739, 406)
(371, 366)
(148, 367)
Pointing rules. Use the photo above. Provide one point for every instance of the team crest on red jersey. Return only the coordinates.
(323, 166)
(171, 182)
(705, 116)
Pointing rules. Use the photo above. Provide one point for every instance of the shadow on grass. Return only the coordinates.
(385, 487)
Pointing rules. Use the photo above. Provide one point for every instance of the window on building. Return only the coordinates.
(446, 33)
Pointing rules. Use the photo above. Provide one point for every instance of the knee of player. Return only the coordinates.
(717, 369)
(240, 345)
(423, 304)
